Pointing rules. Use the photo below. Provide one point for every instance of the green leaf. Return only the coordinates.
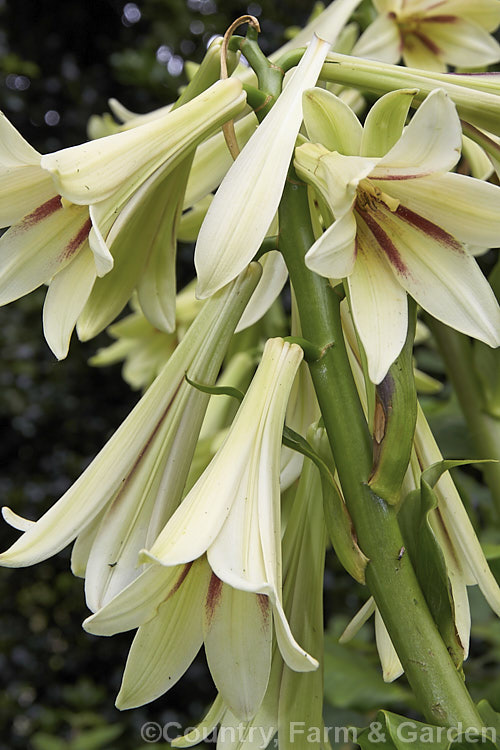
(392, 732)
(216, 390)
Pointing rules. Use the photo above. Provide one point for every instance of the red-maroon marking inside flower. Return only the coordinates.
(263, 601)
(46, 209)
(431, 46)
(439, 19)
(182, 577)
(77, 241)
(431, 229)
(214, 594)
(385, 243)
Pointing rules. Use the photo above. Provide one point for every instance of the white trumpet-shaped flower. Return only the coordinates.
(246, 202)
(402, 222)
(220, 572)
(133, 184)
(431, 35)
(47, 242)
(232, 512)
(126, 495)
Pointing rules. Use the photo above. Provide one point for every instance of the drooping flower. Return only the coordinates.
(47, 242)
(218, 559)
(125, 496)
(402, 222)
(133, 184)
(431, 35)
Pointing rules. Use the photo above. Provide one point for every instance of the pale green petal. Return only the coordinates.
(380, 41)
(139, 602)
(32, 251)
(463, 43)
(16, 521)
(360, 618)
(419, 56)
(238, 640)
(479, 163)
(467, 208)
(22, 190)
(93, 171)
(329, 121)
(192, 219)
(441, 276)
(334, 254)
(293, 655)
(455, 518)
(82, 546)
(212, 160)
(485, 13)
(164, 647)
(378, 305)
(430, 143)
(385, 121)
(238, 217)
(65, 299)
(391, 666)
(274, 276)
(206, 726)
(327, 25)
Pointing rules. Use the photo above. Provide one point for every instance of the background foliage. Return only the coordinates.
(59, 63)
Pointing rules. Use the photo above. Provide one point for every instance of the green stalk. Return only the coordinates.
(438, 687)
(456, 350)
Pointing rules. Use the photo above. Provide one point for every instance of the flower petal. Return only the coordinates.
(274, 276)
(467, 208)
(66, 296)
(463, 43)
(385, 121)
(380, 41)
(165, 646)
(293, 654)
(93, 171)
(329, 121)
(430, 143)
(138, 602)
(238, 217)
(391, 666)
(238, 639)
(34, 250)
(378, 305)
(201, 731)
(441, 276)
(334, 253)
(326, 25)
(485, 13)
(420, 54)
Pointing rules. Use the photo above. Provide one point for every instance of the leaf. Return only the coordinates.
(216, 390)
(393, 732)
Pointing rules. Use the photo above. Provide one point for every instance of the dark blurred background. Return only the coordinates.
(59, 64)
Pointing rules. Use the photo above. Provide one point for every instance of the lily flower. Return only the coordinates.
(402, 222)
(128, 492)
(290, 696)
(431, 35)
(246, 202)
(47, 242)
(178, 608)
(133, 184)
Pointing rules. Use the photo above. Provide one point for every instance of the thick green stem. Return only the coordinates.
(438, 687)
(484, 429)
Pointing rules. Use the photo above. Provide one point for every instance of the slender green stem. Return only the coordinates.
(456, 350)
(438, 687)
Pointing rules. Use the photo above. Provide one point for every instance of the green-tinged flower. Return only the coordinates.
(402, 222)
(246, 202)
(126, 495)
(225, 539)
(141, 347)
(431, 35)
(47, 242)
(133, 183)
(291, 697)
